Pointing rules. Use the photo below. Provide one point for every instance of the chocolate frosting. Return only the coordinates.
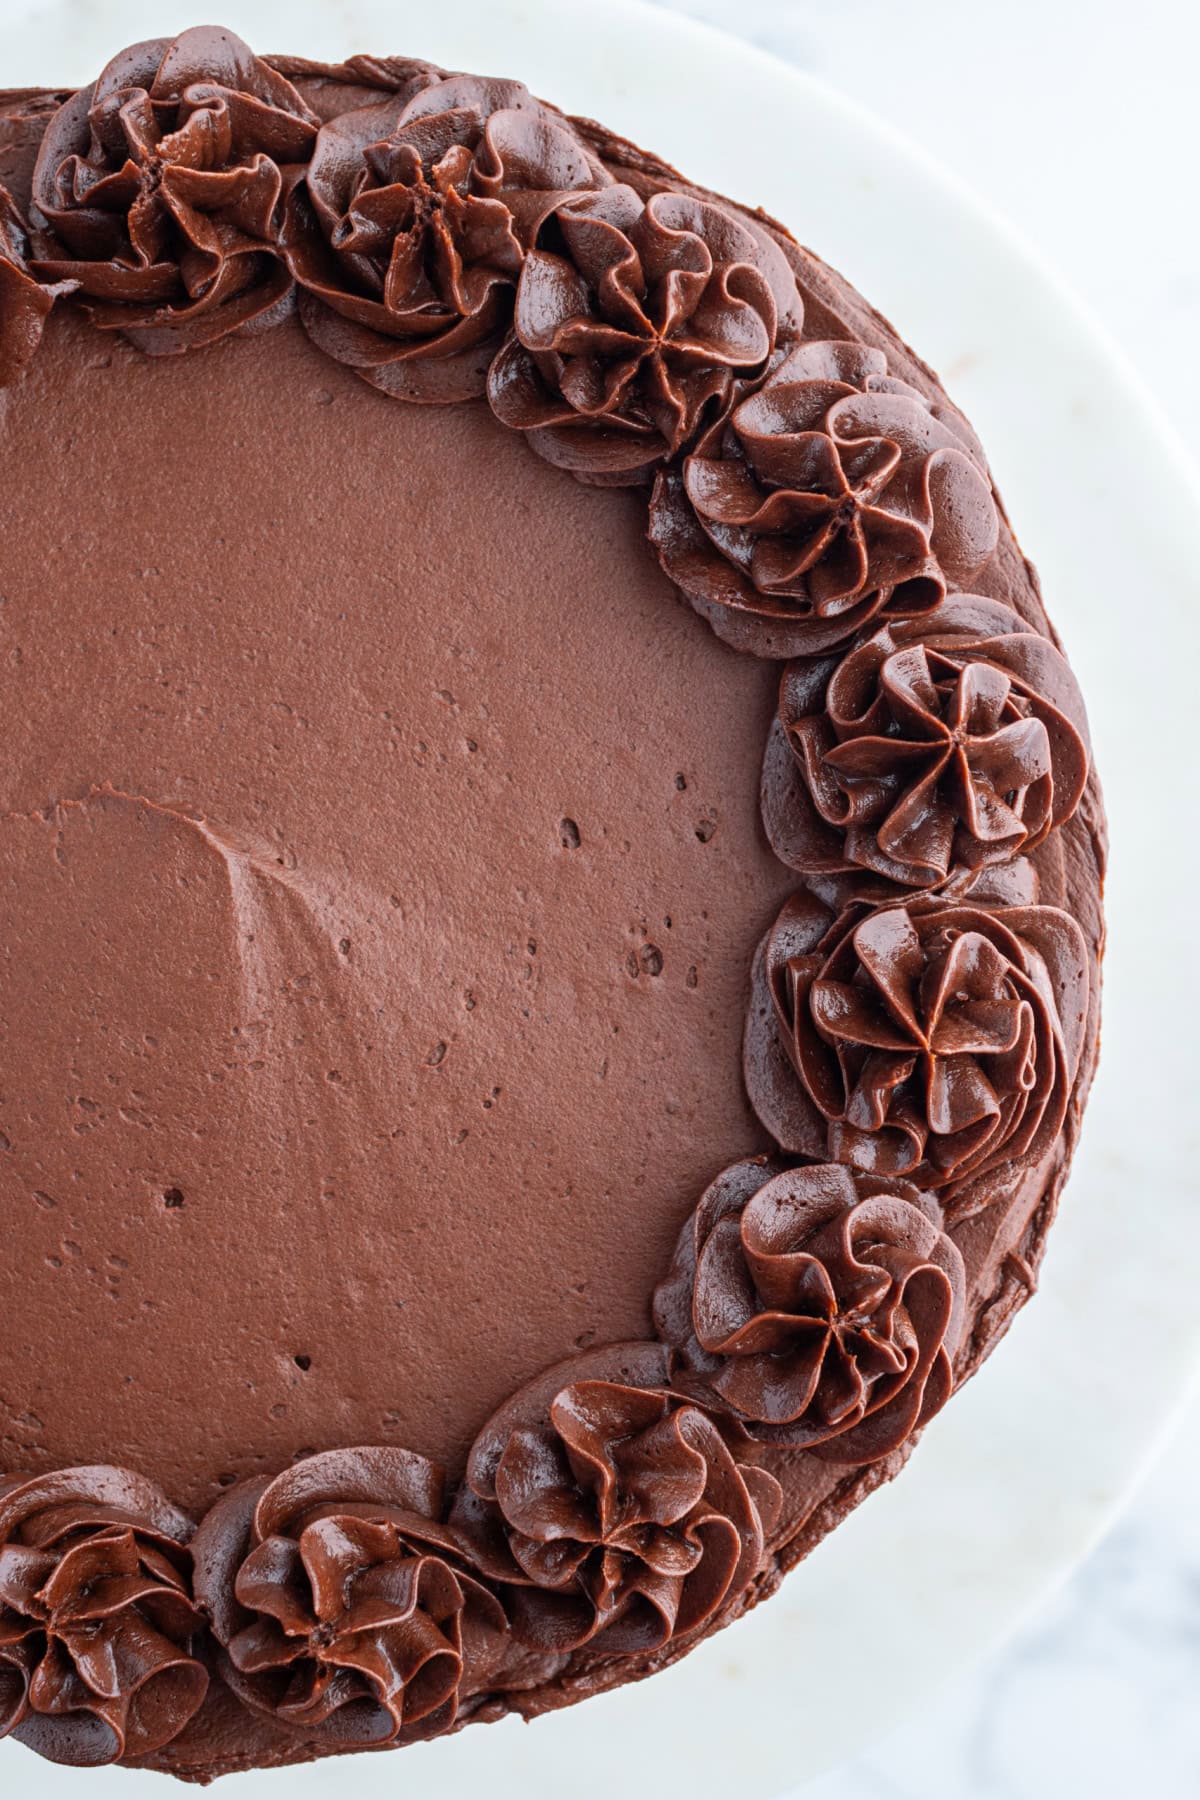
(822, 1304)
(97, 1622)
(618, 1517)
(158, 188)
(953, 740)
(929, 1038)
(233, 964)
(636, 327)
(829, 496)
(343, 1606)
(25, 302)
(410, 232)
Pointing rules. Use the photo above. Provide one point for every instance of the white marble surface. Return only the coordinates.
(1097, 1696)
(1078, 122)
(1075, 118)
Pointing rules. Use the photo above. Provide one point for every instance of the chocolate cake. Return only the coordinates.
(550, 902)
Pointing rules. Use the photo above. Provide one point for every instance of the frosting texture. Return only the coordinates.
(917, 1028)
(621, 1519)
(410, 231)
(97, 1625)
(25, 302)
(821, 1304)
(157, 190)
(634, 328)
(933, 1038)
(831, 495)
(954, 740)
(343, 1607)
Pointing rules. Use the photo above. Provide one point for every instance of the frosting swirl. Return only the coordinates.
(832, 494)
(634, 326)
(97, 1625)
(823, 1305)
(954, 740)
(620, 1517)
(157, 190)
(409, 235)
(344, 1608)
(933, 1038)
(25, 302)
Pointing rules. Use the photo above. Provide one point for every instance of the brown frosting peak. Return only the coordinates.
(632, 329)
(157, 190)
(97, 1625)
(821, 1304)
(831, 494)
(933, 1038)
(409, 234)
(345, 1609)
(25, 302)
(622, 1517)
(958, 739)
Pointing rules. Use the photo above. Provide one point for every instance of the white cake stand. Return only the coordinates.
(1017, 1478)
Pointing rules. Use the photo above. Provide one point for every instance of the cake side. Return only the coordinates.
(968, 1254)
